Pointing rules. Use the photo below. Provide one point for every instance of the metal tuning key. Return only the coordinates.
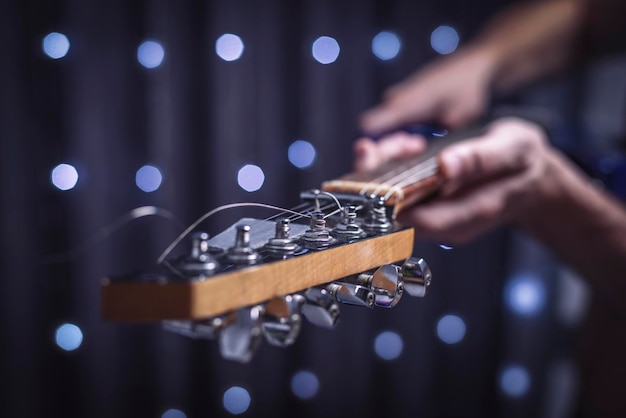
(416, 276)
(348, 230)
(320, 307)
(241, 254)
(281, 246)
(207, 329)
(385, 282)
(282, 319)
(241, 334)
(317, 237)
(377, 221)
(200, 262)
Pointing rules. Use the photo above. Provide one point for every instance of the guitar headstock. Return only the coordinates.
(260, 277)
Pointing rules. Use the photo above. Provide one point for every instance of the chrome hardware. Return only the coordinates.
(416, 276)
(281, 246)
(242, 254)
(351, 294)
(348, 230)
(282, 320)
(241, 334)
(321, 308)
(207, 329)
(317, 237)
(385, 282)
(200, 262)
(376, 220)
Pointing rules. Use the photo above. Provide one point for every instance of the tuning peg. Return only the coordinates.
(348, 230)
(241, 334)
(417, 276)
(281, 245)
(207, 329)
(351, 294)
(385, 282)
(317, 237)
(241, 254)
(320, 307)
(200, 262)
(377, 221)
(282, 319)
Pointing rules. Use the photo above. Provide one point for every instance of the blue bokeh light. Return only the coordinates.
(386, 45)
(515, 381)
(68, 337)
(148, 178)
(451, 329)
(325, 50)
(174, 413)
(444, 39)
(445, 247)
(305, 384)
(525, 294)
(229, 47)
(250, 178)
(150, 54)
(236, 400)
(64, 176)
(301, 154)
(388, 345)
(55, 45)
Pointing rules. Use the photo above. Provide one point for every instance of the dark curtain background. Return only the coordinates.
(199, 119)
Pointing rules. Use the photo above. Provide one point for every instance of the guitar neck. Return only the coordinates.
(401, 182)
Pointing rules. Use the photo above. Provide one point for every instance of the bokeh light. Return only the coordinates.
(525, 294)
(250, 178)
(148, 178)
(229, 47)
(445, 247)
(388, 345)
(444, 39)
(150, 54)
(515, 381)
(55, 45)
(325, 50)
(236, 400)
(305, 384)
(451, 329)
(301, 154)
(174, 413)
(68, 337)
(64, 176)
(386, 45)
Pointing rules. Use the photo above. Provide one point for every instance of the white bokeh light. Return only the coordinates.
(250, 177)
(305, 384)
(445, 247)
(451, 329)
(148, 178)
(301, 154)
(525, 294)
(229, 47)
(386, 45)
(150, 54)
(388, 345)
(55, 45)
(174, 413)
(68, 337)
(236, 400)
(64, 177)
(325, 50)
(515, 381)
(444, 39)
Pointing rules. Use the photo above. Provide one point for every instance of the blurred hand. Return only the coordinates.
(503, 175)
(451, 91)
(368, 154)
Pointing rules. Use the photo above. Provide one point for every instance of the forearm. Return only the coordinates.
(531, 40)
(585, 227)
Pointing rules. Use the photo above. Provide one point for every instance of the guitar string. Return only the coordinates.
(212, 212)
(394, 174)
(400, 179)
(108, 230)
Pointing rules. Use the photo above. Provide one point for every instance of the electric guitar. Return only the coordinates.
(258, 278)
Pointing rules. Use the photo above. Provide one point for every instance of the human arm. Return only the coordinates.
(511, 175)
(523, 43)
